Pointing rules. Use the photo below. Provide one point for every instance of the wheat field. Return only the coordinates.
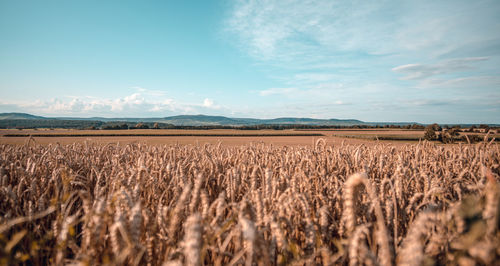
(258, 204)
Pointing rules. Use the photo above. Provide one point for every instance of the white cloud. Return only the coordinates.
(452, 73)
(208, 103)
(465, 82)
(422, 71)
(165, 105)
(136, 104)
(144, 91)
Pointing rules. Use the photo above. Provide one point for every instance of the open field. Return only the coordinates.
(193, 137)
(188, 140)
(159, 132)
(388, 134)
(257, 204)
(225, 136)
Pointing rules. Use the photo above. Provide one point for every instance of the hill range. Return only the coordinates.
(192, 120)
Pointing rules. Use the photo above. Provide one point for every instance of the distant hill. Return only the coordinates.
(312, 121)
(24, 120)
(203, 120)
(19, 116)
(198, 120)
(225, 121)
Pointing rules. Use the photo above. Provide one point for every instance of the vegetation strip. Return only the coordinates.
(162, 135)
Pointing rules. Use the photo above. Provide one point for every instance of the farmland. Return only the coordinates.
(325, 202)
(161, 137)
(232, 137)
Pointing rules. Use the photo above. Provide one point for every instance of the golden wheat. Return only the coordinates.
(255, 205)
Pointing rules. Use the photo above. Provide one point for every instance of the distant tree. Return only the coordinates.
(455, 131)
(430, 132)
(472, 138)
(114, 126)
(141, 126)
(436, 127)
(449, 135)
(472, 128)
(445, 137)
(416, 126)
(485, 128)
(156, 126)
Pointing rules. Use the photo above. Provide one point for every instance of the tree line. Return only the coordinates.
(121, 125)
(435, 132)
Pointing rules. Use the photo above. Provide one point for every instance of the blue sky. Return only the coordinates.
(423, 61)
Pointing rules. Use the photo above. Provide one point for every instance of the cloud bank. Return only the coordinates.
(143, 103)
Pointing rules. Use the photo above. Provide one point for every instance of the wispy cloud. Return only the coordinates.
(144, 91)
(289, 29)
(482, 82)
(371, 54)
(322, 92)
(278, 91)
(318, 32)
(422, 71)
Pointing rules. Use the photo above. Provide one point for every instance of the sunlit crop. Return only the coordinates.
(254, 205)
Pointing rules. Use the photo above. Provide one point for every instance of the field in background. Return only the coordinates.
(214, 136)
(225, 136)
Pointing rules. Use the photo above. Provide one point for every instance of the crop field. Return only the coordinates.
(195, 137)
(233, 137)
(395, 134)
(256, 204)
